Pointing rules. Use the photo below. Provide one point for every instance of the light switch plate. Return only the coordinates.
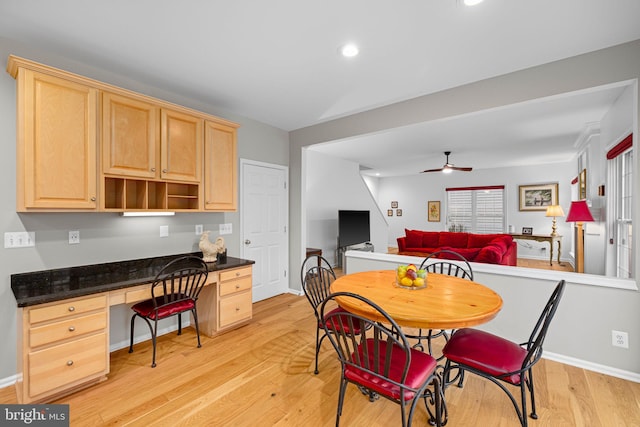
(199, 229)
(19, 239)
(225, 229)
(164, 231)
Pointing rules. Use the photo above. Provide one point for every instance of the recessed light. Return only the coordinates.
(472, 2)
(349, 50)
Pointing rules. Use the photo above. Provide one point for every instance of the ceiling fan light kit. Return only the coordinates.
(448, 167)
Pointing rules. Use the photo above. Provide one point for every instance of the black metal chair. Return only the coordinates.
(174, 291)
(502, 361)
(453, 265)
(317, 275)
(381, 361)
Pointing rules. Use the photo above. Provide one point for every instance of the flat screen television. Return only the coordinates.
(353, 228)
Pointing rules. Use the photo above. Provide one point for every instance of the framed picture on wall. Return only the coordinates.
(527, 230)
(582, 185)
(394, 205)
(433, 208)
(398, 212)
(389, 212)
(538, 197)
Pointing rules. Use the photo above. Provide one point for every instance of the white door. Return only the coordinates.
(263, 222)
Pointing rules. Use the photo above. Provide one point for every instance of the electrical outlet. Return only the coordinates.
(164, 231)
(199, 229)
(74, 237)
(620, 339)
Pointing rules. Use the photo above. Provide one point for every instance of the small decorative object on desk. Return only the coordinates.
(410, 277)
(527, 230)
(210, 250)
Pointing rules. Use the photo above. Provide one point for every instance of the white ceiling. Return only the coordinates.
(277, 61)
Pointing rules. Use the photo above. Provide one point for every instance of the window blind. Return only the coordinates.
(476, 209)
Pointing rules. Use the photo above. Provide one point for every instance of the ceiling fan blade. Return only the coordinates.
(433, 170)
(456, 168)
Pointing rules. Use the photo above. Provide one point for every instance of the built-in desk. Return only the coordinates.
(63, 317)
(543, 238)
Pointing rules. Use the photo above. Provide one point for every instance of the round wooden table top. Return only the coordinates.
(446, 303)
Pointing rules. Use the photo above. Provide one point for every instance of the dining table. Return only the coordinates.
(446, 302)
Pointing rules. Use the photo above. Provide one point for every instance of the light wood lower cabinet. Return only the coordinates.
(64, 346)
(228, 304)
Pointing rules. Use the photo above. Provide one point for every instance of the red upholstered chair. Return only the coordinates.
(442, 262)
(174, 291)
(502, 361)
(317, 275)
(381, 361)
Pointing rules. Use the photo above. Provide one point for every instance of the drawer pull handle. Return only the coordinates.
(237, 308)
(237, 273)
(237, 286)
(69, 362)
(72, 308)
(72, 328)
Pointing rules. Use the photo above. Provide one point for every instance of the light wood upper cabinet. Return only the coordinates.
(87, 145)
(130, 136)
(57, 139)
(220, 168)
(181, 147)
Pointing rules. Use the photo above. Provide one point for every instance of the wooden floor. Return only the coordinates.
(262, 375)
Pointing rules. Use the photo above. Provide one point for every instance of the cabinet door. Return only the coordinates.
(57, 140)
(220, 170)
(130, 143)
(181, 146)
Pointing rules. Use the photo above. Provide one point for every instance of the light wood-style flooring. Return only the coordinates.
(262, 375)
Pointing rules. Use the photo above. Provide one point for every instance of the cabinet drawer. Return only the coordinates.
(67, 308)
(68, 328)
(242, 284)
(65, 363)
(234, 274)
(235, 308)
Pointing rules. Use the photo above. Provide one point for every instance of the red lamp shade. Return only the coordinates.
(579, 212)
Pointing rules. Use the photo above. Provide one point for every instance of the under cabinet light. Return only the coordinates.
(148, 213)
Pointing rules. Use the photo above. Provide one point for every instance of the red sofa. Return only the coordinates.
(486, 248)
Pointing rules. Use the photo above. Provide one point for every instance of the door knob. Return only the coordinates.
(247, 242)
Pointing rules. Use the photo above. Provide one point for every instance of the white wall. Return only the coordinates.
(333, 184)
(104, 237)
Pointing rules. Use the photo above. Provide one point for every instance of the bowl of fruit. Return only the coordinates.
(410, 277)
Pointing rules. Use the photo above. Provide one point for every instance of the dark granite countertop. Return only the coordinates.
(54, 285)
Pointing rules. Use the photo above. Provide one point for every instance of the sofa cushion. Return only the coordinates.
(414, 238)
(491, 254)
(430, 239)
(455, 240)
(482, 240)
(502, 242)
(469, 254)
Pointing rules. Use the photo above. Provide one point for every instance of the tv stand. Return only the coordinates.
(365, 247)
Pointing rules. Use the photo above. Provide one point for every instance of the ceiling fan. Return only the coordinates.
(448, 167)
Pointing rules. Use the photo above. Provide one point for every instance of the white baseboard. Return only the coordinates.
(295, 292)
(595, 367)
(9, 381)
(146, 336)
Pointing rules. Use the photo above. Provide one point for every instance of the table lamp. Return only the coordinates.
(579, 213)
(554, 211)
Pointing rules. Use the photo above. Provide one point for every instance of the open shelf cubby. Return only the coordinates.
(139, 194)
